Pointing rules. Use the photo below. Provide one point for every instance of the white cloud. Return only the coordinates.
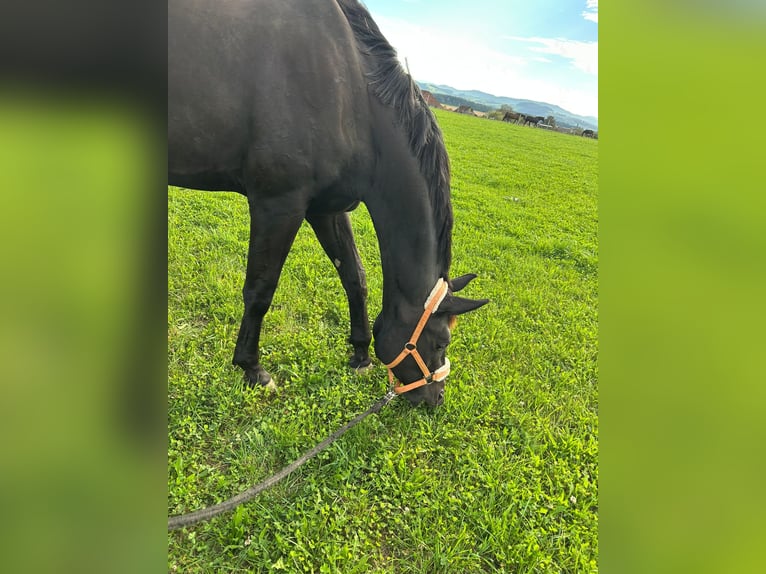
(591, 11)
(583, 55)
(466, 63)
(434, 55)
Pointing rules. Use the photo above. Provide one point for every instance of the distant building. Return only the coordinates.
(431, 100)
(468, 110)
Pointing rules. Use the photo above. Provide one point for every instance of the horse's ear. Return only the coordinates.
(459, 282)
(459, 305)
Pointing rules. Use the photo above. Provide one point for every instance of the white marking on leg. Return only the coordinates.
(362, 370)
(337, 263)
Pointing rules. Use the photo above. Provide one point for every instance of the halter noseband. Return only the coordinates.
(438, 293)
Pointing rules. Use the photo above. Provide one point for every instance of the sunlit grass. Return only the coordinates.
(503, 477)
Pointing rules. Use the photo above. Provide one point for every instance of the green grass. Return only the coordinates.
(502, 478)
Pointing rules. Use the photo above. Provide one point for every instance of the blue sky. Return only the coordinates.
(545, 50)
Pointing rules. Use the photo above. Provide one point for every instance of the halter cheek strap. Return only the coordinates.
(438, 293)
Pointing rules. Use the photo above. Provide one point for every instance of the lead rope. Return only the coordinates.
(181, 520)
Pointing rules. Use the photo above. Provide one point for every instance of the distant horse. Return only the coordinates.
(511, 117)
(588, 133)
(533, 120)
(303, 107)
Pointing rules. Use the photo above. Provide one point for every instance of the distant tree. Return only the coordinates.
(506, 108)
(551, 121)
(496, 114)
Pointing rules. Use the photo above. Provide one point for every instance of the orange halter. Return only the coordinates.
(438, 293)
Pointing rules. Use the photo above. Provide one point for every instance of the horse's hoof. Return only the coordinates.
(360, 365)
(258, 377)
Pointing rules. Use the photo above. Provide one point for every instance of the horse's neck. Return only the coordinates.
(403, 216)
(404, 224)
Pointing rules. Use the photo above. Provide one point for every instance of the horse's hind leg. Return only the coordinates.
(271, 235)
(337, 239)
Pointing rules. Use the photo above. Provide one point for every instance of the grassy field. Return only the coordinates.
(502, 478)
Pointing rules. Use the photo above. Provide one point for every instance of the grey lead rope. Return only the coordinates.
(181, 520)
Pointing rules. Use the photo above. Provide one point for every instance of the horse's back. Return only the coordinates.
(263, 95)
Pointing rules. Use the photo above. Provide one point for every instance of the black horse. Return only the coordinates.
(302, 106)
(512, 117)
(533, 120)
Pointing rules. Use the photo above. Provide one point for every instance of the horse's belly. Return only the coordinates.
(333, 204)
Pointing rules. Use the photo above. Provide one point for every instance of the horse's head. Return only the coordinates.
(414, 348)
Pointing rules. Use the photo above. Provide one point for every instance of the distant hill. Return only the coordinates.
(455, 101)
(485, 102)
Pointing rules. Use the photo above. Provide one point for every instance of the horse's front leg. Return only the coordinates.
(335, 234)
(271, 235)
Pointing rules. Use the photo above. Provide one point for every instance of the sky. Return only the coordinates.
(543, 50)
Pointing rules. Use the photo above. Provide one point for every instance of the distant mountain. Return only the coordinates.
(484, 102)
(456, 101)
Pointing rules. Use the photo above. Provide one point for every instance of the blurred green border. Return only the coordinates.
(681, 245)
(82, 335)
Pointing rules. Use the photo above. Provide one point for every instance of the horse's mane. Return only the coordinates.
(396, 89)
